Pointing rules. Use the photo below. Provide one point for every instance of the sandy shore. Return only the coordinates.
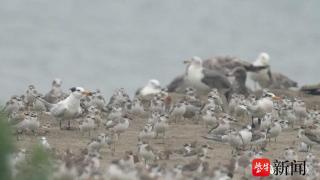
(178, 134)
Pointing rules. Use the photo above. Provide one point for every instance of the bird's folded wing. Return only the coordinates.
(215, 79)
(58, 110)
(312, 136)
(177, 82)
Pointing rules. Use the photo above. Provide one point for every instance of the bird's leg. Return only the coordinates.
(69, 124)
(60, 124)
(252, 123)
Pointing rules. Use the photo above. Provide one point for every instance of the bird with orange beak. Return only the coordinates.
(263, 106)
(68, 108)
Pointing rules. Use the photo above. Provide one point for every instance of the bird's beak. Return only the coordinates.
(187, 62)
(276, 98)
(87, 93)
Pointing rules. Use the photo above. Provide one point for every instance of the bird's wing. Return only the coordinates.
(312, 136)
(178, 81)
(46, 103)
(215, 79)
(256, 136)
(58, 110)
(138, 92)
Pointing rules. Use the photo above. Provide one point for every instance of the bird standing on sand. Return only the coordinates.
(68, 108)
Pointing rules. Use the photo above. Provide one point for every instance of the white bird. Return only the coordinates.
(290, 154)
(274, 131)
(178, 111)
(68, 108)
(161, 126)
(222, 127)
(147, 133)
(30, 96)
(209, 118)
(262, 106)
(263, 76)
(44, 143)
(153, 87)
(119, 125)
(30, 122)
(146, 152)
(310, 137)
(88, 124)
(300, 110)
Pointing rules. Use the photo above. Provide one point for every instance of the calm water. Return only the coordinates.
(123, 43)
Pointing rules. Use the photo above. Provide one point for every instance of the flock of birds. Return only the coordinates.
(210, 92)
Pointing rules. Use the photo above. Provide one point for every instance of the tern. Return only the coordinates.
(68, 108)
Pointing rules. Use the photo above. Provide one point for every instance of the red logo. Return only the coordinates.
(261, 167)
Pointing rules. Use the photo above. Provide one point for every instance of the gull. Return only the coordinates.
(30, 122)
(119, 98)
(267, 79)
(147, 133)
(200, 78)
(222, 126)
(290, 154)
(189, 149)
(30, 95)
(266, 121)
(153, 87)
(310, 137)
(246, 135)
(198, 165)
(119, 125)
(15, 104)
(259, 139)
(116, 113)
(87, 125)
(274, 131)
(111, 139)
(137, 107)
(299, 109)
(209, 118)
(146, 152)
(239, 84)
(226, 64)
(161, 126)
(55, 94)
(96, 115)
(38, 105)
(178, 111)
(263, 77)
(303, 147)
(96, 144)
(98, 100)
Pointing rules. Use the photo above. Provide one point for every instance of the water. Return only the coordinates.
(123, 43)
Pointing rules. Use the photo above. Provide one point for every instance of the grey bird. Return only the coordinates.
(55, 94)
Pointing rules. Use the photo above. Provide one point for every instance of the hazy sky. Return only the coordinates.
(124, 43)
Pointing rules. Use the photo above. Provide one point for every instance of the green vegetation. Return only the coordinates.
(38, 165)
